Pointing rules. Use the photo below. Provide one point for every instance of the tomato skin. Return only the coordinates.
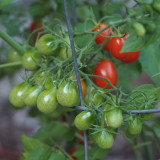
(17, 93)
(116, 45)
(107, 70)
(31, 59)
(139, 29)
(95, 98)
(104, 139)
(47, 101)
(31, 95)
(135, 126)
(67, 94)
(114, 117)
(100, 39)
(35, 25)
(72, 152)
(47, 45)
(14, 56)
(84, 86)
(84, 120)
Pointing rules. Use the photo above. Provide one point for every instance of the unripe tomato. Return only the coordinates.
(47, 101)
(31, 95)
(47, 45)
(139, 29)
(67, 94)
(150, 27)
(84, 86)
(84, 120)
(126, 57)
(135, 126)
(14, 56)
(31, 59)
(107, 70)
(156, 5)
(95, 98)
(17, 93)
(100, 37)
(104, 139)
(114, 117)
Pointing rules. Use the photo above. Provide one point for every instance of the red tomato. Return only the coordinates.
(116, 45)
(107, 70)
(84, 86)
(72, 152)
(100, 39)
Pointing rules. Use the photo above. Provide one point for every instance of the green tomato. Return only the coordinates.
(67, 94)
(47, 45)
(156, 5)
(31, 59)
(139, 29)
(14, 56)
(135, 126)
(47, 101)
(95, 98)
(150, 27)
(114, 117)
(84, 120)
(104, 139)
(31, 95)
(17, 93)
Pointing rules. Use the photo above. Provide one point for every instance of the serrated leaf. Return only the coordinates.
(30, 144)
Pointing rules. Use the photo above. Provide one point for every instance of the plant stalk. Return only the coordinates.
(12, 64)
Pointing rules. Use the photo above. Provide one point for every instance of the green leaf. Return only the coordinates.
(30, 144)
(53, 132)
(4, 3)
(149, 60)
(57, 156)
(39, 154)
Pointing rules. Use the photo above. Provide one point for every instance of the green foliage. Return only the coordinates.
(4, 3)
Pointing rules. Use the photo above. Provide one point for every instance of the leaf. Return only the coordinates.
(30, 144)
(39, 154)
(4, 3)
(53, 132)
(149, 60)
(57, 156)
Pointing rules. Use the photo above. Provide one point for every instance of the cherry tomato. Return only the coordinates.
(31, 59)
(135, 126)
(113, 117)
(105, 69)
(100, 37)
(84, 86)
(116, 45)
(47, 45)
(84, 120)
(14, 56)
(104, 139)
(139, 29)
(67, 94)
(47, 101)
(72, 152)
(17, 93)
(31, 95)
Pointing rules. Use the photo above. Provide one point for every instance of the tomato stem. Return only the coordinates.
(12, 64)
(11, 42)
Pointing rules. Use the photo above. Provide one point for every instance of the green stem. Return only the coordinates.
(11, 42)
(147, 147)
(12, 64)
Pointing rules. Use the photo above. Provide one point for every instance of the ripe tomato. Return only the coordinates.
(94, 98)
(31, 95)
(47, 45)
(104, 139)
(116, 45)
(114, 117)
(31, 59)
(107, 70)
(14, 56)
(47, 101)
(67, 94)
(17, 93)
(72, 152)
(100, 37)
(84, 86)
(135, 126)
(84, 120)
